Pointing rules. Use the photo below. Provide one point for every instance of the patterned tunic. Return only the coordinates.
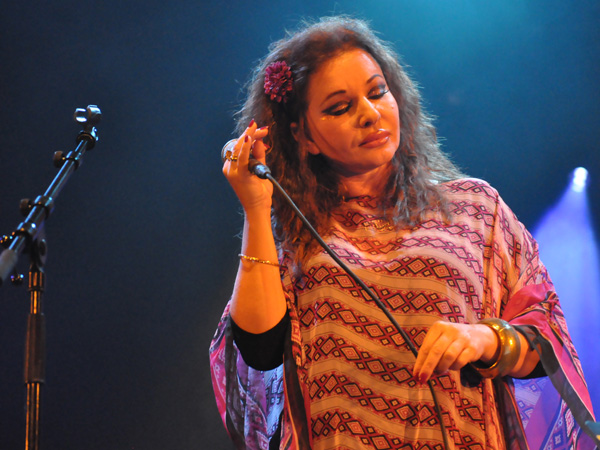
(348, 380)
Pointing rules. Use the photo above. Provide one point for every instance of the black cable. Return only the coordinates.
(264, 172)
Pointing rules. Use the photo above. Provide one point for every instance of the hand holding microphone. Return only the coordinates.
(254, 166)
(244, 157)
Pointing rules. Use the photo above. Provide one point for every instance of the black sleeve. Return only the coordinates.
(530, 336)
(263, 351)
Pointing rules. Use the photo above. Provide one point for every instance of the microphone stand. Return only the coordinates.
(29, 237)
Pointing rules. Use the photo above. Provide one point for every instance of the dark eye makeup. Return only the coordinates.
(339, 108)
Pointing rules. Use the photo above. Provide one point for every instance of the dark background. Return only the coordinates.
(143, 247)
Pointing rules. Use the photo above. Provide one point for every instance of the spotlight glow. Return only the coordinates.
(569, 249)
(579, 179)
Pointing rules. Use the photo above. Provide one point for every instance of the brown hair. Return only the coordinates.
(417, 166)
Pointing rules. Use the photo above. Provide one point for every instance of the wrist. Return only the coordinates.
(491, 343)
(258, 212)
(509, 350)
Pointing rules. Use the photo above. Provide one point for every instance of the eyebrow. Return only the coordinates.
(342, 91)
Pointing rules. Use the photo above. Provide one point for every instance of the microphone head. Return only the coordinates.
(228, 147)
(254, 166)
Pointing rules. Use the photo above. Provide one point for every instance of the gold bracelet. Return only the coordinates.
(510, 350)
(256, 260)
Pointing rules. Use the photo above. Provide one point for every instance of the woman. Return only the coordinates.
(302, 357)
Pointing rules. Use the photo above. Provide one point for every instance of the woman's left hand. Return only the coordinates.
(450, 346)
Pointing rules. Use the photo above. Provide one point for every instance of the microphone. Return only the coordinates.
(259, 169)
(254, 166)
(228, 147)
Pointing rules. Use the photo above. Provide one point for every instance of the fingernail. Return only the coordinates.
(246, 138)
(423, 378)
(251, 123)
(262, 128)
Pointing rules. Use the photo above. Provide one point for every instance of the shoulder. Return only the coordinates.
(476, 195)
(474, 188)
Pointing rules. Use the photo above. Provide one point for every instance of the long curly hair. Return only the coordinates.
(417, 167)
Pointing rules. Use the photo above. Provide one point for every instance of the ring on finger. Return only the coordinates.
(229, 156)
(227, 150)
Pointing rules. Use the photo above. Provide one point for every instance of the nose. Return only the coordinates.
(368, 114)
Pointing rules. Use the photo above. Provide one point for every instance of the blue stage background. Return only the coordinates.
(142, 244)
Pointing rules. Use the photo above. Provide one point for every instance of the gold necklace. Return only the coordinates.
(378, 224)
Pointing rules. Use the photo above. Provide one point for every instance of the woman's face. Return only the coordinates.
(352, 117)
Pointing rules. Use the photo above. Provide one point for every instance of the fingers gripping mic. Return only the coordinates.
(254, 166)
(258, 169)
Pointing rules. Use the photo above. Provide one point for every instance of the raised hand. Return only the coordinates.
(252, 192)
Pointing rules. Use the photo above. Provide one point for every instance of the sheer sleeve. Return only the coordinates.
(543, 409)
(252, 402)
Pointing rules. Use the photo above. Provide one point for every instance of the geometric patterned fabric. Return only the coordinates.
(357, 371)
(352, 370)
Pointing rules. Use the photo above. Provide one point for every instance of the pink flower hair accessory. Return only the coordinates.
(278, 81)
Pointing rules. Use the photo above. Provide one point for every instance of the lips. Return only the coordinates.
(375, 139)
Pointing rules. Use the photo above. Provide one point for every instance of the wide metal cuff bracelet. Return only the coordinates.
(510, 350)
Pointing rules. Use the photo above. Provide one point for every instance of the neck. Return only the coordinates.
(370, 183)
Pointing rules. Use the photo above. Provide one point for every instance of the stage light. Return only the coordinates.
(569, 249)
(579, 179)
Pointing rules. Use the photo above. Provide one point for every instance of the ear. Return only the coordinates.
(303, 138)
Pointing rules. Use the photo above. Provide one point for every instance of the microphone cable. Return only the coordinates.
(263, 172)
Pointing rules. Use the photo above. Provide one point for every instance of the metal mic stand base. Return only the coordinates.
(35, 345)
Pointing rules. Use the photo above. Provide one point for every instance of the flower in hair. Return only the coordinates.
(278, 81)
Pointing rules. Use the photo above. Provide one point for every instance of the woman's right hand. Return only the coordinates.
(254, 194)
(258, 301)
